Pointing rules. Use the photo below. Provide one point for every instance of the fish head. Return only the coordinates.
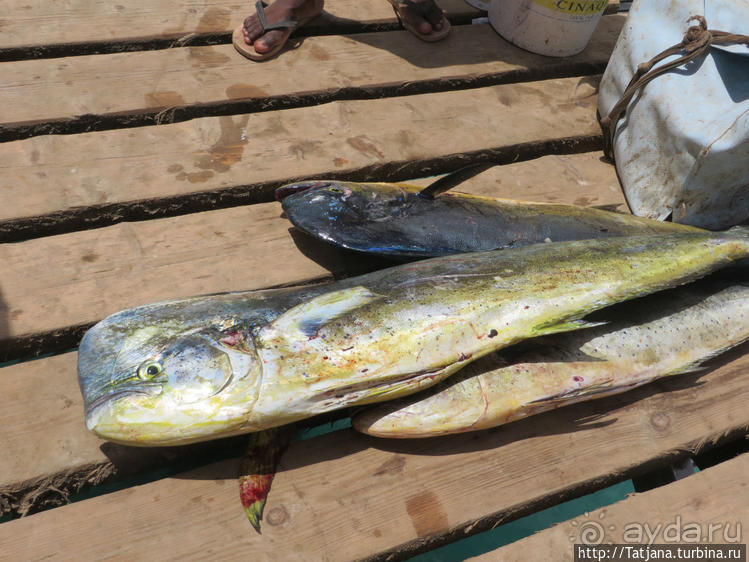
(149, 377)
(357, 216)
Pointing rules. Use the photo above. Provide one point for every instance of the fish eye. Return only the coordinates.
(149, 370)
(335, 190)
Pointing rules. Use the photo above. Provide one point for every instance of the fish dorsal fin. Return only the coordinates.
(452, 179)
(307, 318)
(611, 208)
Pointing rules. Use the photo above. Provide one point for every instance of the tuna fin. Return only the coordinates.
(257, 469)
(311, 315)
(452, 179)
(566, 326)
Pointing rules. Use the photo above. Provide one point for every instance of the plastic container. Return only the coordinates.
(682, 148)
(556, 28)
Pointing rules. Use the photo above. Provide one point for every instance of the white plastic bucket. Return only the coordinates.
(556, 28)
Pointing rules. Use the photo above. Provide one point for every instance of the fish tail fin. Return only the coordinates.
(257, 469)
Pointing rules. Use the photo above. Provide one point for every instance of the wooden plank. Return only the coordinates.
(345, 496)
(53, 173)
(717, 497)
(40, 406)
(53, 455)
(80, 277)
(34, 23)
(148, 82)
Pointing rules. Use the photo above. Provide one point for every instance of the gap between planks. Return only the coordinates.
(344, 496)
(89, 28)
(131, 89)
(97, 273)
(717, 496)
(53, 184)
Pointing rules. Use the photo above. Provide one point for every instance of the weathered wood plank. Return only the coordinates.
(53, 173)
(81, 277)
(34, 23)
(344, 496)
(717, 497)
(40, 406)
(149, 82)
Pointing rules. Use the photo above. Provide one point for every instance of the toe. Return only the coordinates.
(252, 29)
(268, 41)
(424, 28)
(435, 18)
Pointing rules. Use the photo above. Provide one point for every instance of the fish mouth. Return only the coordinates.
(285, 190)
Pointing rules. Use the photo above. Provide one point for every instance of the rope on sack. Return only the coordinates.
(696, 42)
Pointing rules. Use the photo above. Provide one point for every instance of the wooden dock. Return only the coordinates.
(138, 157)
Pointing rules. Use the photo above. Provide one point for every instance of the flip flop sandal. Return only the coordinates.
(424, 8)
(249, 50)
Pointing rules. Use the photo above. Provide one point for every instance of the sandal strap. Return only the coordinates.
(424, 8)
(284, 24)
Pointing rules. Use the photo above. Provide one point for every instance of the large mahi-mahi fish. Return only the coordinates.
(212, 366)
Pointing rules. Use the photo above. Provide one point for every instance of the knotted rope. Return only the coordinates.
(696, 42)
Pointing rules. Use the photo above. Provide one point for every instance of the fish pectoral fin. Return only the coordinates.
(566, 326)
(599, 388)
(447, 182)
(307, 318)
(409, 385)
(692, 367)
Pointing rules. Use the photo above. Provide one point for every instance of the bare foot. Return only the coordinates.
(426, 22)
(280, 10)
